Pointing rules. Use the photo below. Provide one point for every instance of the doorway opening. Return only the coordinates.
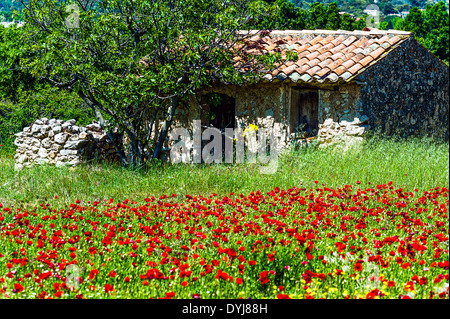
(304, 111)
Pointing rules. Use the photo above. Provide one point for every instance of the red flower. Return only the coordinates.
(170, 295)
(145, 283)
(112, 273)
(252, 262)
(391, 283)
(127, 279)
(221, 275)
(92, 274)
(283, 296)
(45, 275)
(263, 277)
(239, 281)
(109, 288)
(340, 247)
(358, 267)
(18, 287)
(184, 283)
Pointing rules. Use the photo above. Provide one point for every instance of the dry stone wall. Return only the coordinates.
(342, 134)
(52, 141)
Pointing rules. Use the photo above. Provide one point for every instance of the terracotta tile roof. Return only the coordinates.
(323, 55)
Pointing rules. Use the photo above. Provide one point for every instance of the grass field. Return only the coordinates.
(369, 223)
(410, 164)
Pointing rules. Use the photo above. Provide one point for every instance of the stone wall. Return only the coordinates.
(344, 134)
(62, 143)
(339, 103)
(407, 93)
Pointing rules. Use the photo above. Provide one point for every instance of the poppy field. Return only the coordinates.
(356, 241)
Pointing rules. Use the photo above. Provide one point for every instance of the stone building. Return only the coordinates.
(342, 83)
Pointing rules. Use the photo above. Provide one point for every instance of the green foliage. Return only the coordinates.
(23, 98)
(284, 15)
(430, 27)
(31, 105)
(13, 78)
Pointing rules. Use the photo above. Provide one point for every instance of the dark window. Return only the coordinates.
(219, 111)
(304, 111)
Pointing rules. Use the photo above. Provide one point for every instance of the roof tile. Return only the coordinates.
(375, 54)
(338, 48)
(323, 72)
(349, 40)
(340, 69)
(348, 64)
(323, 55)
(394, 40)
(315, 40)
(335, 64)
(313, 62)
(313, 70)
(336, 56)
(355, 69)
(358, 57)
(325, 62)
(366, 61)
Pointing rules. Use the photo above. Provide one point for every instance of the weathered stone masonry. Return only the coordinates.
(62, 143)
(407, 92)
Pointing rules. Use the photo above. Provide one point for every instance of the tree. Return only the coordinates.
(133, 62)
(13, 78)
(431, 28)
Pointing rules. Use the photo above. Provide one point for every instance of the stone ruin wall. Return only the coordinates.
(268, 105)
(58, 142)
(264, 105)
(407, 94)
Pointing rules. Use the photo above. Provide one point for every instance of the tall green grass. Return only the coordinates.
(412, 163)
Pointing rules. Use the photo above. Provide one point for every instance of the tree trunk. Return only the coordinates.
(119, 150)
(165, 129)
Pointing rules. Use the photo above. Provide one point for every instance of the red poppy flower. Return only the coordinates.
(45, 275)
(127, 279)
(358, 267)
(283, 296)
(170, 295)
(263, 277)
(184, 283)
(239, 281)
(18, 287)
(109, 288)
(92, 274)
(252, 262)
